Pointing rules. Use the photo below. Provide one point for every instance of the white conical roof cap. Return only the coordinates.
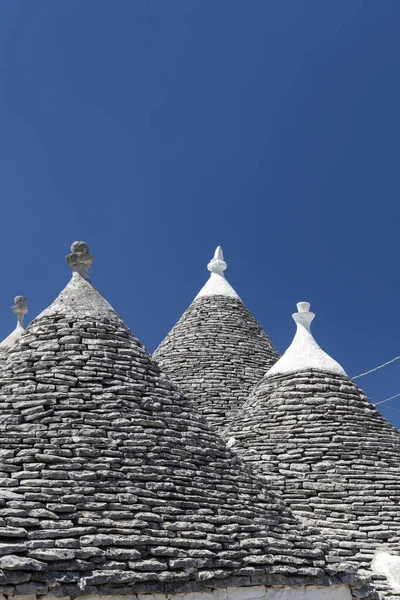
(217, 285)
(304, 352)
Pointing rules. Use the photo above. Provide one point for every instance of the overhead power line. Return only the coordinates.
(377, 369)
(387, 400)
(391, 408)
(389, 362)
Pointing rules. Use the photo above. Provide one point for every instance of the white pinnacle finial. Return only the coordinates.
(304, 352)
(304, 316)
(80, 260)
(217, 285)
(19, 309)
(217, 263)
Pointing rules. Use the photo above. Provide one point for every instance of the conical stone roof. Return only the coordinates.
(320, 443)
(217, 351)
(112, 483)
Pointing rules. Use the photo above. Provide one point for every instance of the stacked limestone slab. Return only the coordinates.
(320, 443)
(217, 352)
(113, 485)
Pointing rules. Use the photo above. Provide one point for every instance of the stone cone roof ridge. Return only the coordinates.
(317, 440)
(217, 352)
(111, 482)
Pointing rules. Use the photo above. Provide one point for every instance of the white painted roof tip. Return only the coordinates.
(19, 309)
(304, 352)
(217, 285)
(217, 263)
(80, 260)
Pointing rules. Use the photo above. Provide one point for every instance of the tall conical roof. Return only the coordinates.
(217, 351)
(320, 443)
(112, 483)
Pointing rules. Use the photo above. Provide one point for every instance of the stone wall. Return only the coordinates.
(336, 592)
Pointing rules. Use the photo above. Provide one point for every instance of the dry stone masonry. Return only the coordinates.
(113, 485)
(319, 443)
(217, 351)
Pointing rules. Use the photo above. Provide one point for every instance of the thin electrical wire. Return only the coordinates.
(391, 408)
(377, 368)
(387, 399)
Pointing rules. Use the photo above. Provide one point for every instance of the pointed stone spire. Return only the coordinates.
(19, 309)
(80, 296)
(217, 285)
(80, 260)
(217, 263)
(304, 352)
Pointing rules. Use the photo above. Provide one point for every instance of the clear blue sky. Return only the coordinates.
(156, 130)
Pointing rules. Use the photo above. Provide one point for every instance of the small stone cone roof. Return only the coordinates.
(217, 351)
(320, 443)
(111, 482)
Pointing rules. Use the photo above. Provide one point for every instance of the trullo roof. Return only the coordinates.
(323, 446)
(217, 351)
(111, 482)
